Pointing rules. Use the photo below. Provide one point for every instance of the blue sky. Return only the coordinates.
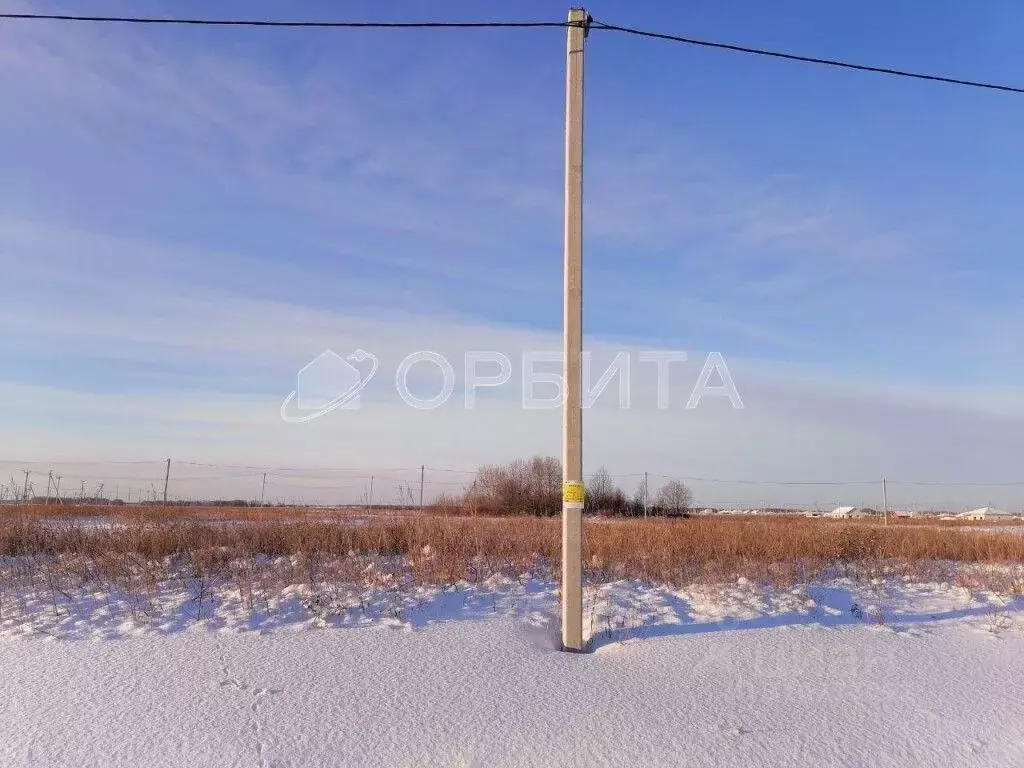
(190, 215)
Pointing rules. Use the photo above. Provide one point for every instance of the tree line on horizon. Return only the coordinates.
(534, 487)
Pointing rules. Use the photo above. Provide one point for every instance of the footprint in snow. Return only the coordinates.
(737, 730)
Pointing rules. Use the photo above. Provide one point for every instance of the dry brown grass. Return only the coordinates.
(211, 513)
(776, 550)
(149, 557)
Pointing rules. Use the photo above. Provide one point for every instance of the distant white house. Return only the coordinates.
(844, 513)
(840, 513)
(985, 513)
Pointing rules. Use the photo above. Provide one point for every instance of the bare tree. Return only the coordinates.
(404, 496)
(675, 498)
(640, 500)
(532, 486)
(600, 491)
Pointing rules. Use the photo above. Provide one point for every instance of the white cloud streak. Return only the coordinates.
(383, 172)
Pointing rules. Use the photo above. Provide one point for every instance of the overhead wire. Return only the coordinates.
(284, 23)
(804, 58)
(590, 25)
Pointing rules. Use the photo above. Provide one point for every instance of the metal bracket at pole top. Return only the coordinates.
(585, 23)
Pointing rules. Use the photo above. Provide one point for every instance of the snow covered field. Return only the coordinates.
(885, 673)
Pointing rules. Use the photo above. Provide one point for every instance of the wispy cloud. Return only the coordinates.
(217, 214)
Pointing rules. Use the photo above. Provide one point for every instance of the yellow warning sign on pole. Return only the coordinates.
(572, 493)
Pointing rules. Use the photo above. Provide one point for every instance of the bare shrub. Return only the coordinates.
(521, 487)
(998, 620)
(674, 498)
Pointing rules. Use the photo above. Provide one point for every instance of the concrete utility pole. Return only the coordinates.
(24, 493)
(885, 503)
(167, 477)
(572, 411)
(645, 495)
(423, 470)
(263, 490)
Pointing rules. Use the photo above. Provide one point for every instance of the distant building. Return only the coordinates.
(985, 513)
(840, 513)
(845, 513)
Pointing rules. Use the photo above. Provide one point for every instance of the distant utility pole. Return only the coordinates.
(167, 477)
(24, 493)
(645, 495)
(885, 503)
(423, 469)
(56, 491)
(572, 411)
(371, 493)
(49, 482)
(263, 490)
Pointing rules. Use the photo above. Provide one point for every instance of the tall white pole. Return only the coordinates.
(572, 412)
(885, 503)
(167, 477)
(423, 470)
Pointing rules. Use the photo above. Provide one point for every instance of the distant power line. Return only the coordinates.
(413, 474)
(591, 25)
(285, 23)
(807, 59)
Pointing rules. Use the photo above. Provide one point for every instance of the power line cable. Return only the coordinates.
(67, 462)
(591, 24)
(310, 469)
(805, 59)
(314, 474)
(941, 484)
(292, 24)
(764, 482)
